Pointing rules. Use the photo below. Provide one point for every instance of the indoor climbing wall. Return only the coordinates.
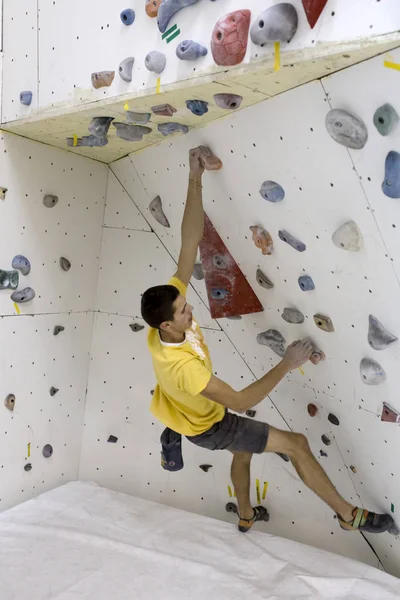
(67, 62)
(51, 207)
(329, 201)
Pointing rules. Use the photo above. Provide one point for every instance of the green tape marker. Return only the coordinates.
(177, 32)
(392, 508)
(170, 30)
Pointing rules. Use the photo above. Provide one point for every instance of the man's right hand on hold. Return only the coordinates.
(297, 354)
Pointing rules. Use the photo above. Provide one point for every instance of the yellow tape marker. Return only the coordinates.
(258, 491)
(265, 489)
(126, 106)
(234, 493)
(391, 65)
(75, 140)
(17, 308)
(158, 85)
(277, 49)
(301, 370)
(230, 491)
(29, 450)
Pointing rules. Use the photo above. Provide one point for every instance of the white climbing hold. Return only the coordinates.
(156, 210)
(348, 237)
(292, 315)
(274, 340)
(371, 372)
(379, 338)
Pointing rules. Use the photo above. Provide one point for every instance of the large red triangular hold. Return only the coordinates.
(313, 10)
(229, 292)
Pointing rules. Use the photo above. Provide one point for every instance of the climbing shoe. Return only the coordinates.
(260, 514)
(370, 522)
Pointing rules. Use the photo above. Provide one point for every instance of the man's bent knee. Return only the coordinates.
(286, 442)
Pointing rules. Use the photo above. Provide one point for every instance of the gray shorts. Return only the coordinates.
(234, 433)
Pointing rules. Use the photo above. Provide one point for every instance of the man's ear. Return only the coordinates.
(165, 326)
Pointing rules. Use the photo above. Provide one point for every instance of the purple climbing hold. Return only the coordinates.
(306, 283)
(170, 128)
(47, 451)
(127, 16)
(291, 240)
(391, 183)
(219, 294)
(167, 10)
(23, 295)
(272, 191)
(228, 101)
(25, 98)
(198, 107)
(190, 50)
(21, 264)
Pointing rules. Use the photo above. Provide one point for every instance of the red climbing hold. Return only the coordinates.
(229, 293)
(313, 9)
(312, 410)
(390, 414)
(229, 38)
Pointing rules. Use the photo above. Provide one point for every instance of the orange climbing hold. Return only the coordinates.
(317, 356)
(152, 7)
(208, 159)
(262, 239)
(229, 293)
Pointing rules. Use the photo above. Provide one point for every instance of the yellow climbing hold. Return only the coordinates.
(158, 85)
(126, 106)
(301, 370)
(230, 491)
(391, 65)
(265, 490)
(29, 450)
(277, 50)
(17, 308)
(75, 142)
(258, 491)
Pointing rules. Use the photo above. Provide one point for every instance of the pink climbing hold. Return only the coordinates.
(262, 239)
(317, 356)
(229, 38)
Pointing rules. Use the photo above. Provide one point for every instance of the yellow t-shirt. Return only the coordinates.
(183, 371)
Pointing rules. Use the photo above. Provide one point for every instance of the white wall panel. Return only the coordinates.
(120, 210)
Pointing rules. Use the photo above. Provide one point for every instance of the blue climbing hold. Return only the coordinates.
(127, 16)
(291, 240)
(306, 283)
(167, 10)
(391, 183)
(25, 98)
(219, 294)
(190, 50)
(198, 107)
(170, 128)
(22, 264)
(272, 191)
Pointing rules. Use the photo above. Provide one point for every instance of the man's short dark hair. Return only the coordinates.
(157, 304)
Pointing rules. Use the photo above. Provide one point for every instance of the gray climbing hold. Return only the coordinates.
(333, 419)
(170, 128)
(219, 294)
(198, 272)
(190, 50)
(99, 126)
(371, 372)
(263, 280)
(348, 237)
(65, 263)
(125, 69)
(58, 329)
(167, 10)
(53, 391)
(306, 283)
(90, 141)
(379, 338)
(49, 200)
(291, 240)
(156, 210)
(391, 183)
(112, 439)
(9, 280)
(24, 295)
(22, 264)
(272, 191)
(3, 192)
(276, 24)
(197, 107)
(136, 327)
(228, 101)
(47, 451)
(324, 323)
(205, 468)
(219, 261)
(25, 98)
(155, 61)
(131, 133)
(346, 129)
(274, 340)
(250, 413)
(137, 118)
(9, 402)
(322, 453)
(326, 440)
(102, 79)
(235, 318)
(283, 456)
(385, 119)
(28, 467)
(292, 315)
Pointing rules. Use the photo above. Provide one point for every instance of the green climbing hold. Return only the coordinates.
(385, 119)
(9, 280)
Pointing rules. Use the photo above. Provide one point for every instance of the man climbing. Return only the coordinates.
(191, 401)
